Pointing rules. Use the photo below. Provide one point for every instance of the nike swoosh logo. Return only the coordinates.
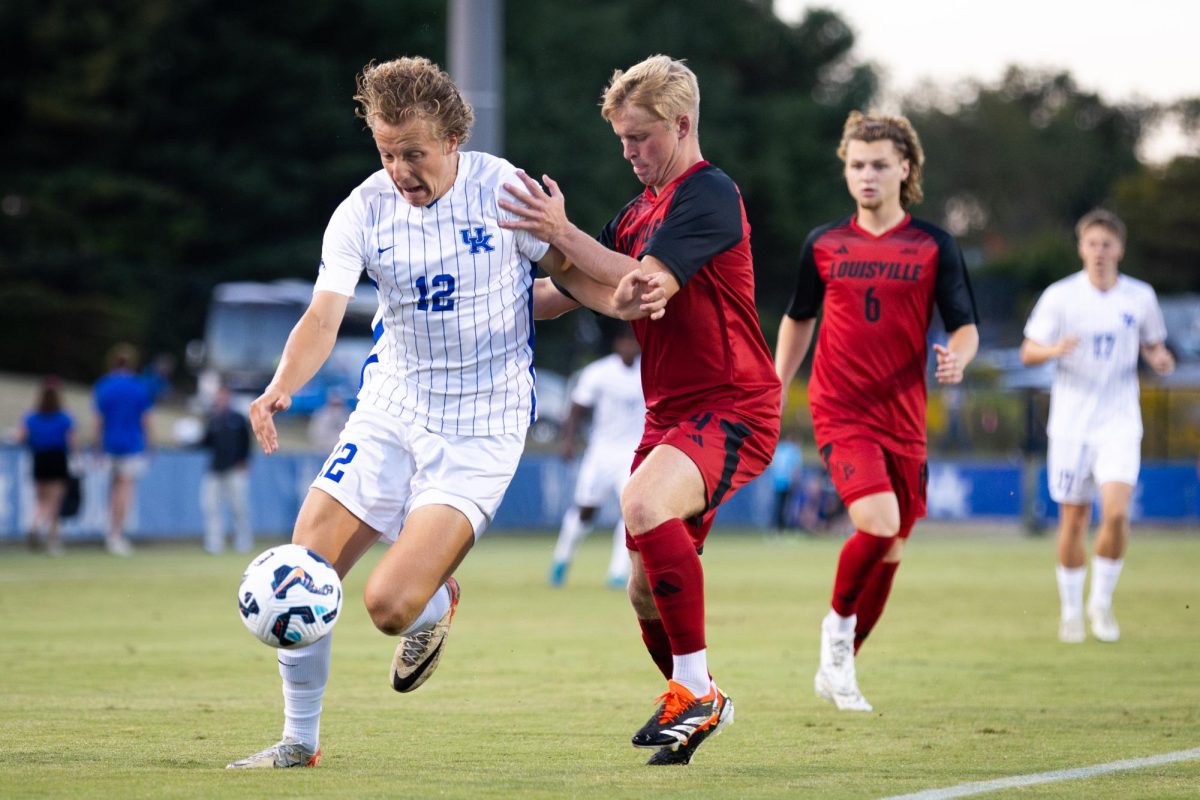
(383, 250)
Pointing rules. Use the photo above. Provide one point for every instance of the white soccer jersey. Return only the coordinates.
(614, 393)
(1095, 391)
(454, 353)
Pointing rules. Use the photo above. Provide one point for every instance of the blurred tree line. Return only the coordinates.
(154, 148)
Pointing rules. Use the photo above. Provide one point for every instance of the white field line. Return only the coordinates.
(1017, 781)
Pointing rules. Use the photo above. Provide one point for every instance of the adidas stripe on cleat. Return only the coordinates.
(417, 654)
(682, 755)
(284, 754)
(679, 717)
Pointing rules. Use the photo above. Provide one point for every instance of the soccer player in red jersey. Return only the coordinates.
(878, 274)
(712, 396)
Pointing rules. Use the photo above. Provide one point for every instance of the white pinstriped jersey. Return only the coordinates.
(1095, 391)
(614, 393)
(454, 353)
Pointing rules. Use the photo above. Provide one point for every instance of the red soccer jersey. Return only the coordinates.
(708, 351)
(868, 376)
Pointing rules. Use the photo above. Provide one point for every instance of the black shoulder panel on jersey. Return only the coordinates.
(955, 299)
(608, 236)
(703, 221)
(810, 288)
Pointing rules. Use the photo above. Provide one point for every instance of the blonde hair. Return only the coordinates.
(661, 85)
(1102, 218)
(396, 92)
(897, 130)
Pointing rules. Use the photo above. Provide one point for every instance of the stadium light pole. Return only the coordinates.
(476, 50)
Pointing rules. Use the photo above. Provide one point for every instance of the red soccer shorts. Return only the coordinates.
(731, 449)
(860, 467)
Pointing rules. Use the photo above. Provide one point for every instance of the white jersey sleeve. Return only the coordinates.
(343, 250)
(1154, 327)
(1045, 321)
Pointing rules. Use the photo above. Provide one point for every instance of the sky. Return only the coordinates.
(1145, 50)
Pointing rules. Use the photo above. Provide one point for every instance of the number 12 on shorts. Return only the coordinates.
(345, 455)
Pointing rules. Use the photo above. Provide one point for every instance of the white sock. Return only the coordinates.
(305, 672)
(434, 610)
(1070, 589)
(691, 670)
(572, 532)
(839, 624)
(1105, 573)
(618, 565)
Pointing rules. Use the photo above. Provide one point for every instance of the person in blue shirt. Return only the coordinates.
(123, 420)
(48, 431)
(785, 476)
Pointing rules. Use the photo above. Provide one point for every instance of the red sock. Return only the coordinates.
(657, 643)
(860, 554)
(677, 582)
(873, 598)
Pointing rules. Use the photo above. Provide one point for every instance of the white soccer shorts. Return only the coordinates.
(1075, 469)
(382, 468)
(603, 473)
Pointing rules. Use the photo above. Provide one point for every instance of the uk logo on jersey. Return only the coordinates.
(480, 242)
(1128, 319)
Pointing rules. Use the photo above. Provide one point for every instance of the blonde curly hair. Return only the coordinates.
(398, 91)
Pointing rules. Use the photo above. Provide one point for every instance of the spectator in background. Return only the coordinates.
(325, 425)
(48, 431)
(1095, 323)
(227, 439)
(122, 430)
(611, 389)
(785, 478)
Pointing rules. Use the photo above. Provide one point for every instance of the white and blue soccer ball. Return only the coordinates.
(289, 596)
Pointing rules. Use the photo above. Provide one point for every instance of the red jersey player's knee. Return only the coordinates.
(877, 514)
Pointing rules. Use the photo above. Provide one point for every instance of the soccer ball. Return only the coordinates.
(289, 596)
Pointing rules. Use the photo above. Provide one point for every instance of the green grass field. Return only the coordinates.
(134, 678)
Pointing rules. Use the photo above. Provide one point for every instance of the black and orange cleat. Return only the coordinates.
(679, 716)
(682, 754)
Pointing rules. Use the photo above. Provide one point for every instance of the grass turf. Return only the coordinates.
(134, 678)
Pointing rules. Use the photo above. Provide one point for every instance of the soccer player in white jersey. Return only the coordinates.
(611, 387)
(1095, 323)
(448, 392)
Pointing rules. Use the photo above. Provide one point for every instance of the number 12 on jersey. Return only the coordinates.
(442, 297)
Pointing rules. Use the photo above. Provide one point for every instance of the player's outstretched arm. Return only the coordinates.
(1034, 353)
(543, 213)
(795, 336)
(308, 345)
(953, 357)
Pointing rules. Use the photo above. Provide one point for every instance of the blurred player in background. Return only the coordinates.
(878, 274)
(449, 391)
(1095, 323)
(611, 389)
(712, 398)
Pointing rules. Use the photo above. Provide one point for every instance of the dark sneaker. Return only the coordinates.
(287, 753)
(679, 716)
(682, 754)
(418, 654)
